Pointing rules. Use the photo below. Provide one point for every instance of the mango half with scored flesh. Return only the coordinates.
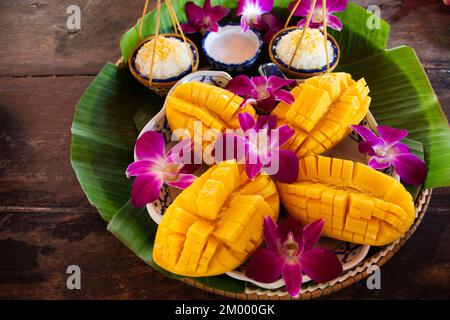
(216, 223)
(358, 203)
(213, 107)
(323, 110)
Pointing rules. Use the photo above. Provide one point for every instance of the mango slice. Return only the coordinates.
(209, 106)
(216, 223)
(324, 108)
(358, 203)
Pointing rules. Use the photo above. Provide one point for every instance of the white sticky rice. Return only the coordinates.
(172, 58)
(311, 53)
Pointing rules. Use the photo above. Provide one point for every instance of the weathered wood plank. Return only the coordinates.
(37, 248)
(35, 120)
(38, 41)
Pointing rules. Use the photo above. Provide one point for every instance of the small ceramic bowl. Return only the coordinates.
(162, 86)
(251, 35)
(301, 73)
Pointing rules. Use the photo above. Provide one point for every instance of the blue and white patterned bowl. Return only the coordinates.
(230, 28)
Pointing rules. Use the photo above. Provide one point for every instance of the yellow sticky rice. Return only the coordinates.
(172, 58)
(311, 53)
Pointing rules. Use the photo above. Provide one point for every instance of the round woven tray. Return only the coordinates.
(359, 272)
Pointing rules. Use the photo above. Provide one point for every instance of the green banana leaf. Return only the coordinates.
(402, 97)
(115, 107)
(103, 136)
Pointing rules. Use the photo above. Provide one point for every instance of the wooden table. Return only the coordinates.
(46, 222)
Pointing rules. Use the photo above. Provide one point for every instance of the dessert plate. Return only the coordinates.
(350, 254)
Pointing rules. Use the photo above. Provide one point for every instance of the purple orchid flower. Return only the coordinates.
(290, 252)
(317, 16)
(154, 167)
(251, 12)
(203, 19)
(261, 91)
(269, 25)
(387, 150)
(260, 146)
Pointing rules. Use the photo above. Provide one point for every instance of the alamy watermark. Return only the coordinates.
(74, 280)
(74, 19)
(373, 282)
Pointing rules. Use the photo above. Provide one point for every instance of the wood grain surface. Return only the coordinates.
(46, 222)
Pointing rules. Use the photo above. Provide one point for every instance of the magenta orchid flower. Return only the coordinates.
(260, 147)
(387, 150)
(203, 19)
(252, 11)
(154, 167)
(261, 91)
(317, 15)
(268, 26)
(291, 250)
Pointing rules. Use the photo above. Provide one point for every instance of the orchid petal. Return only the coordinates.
(244, 26)
(146, 189)
(267, 37)
(277, 83)
(264, 266)
(183, 181)
(334, 22)
(376, 164)
(265, 5)
(287, 165)
(312, 233)
(391, 135)
(246, 121)
(321, 264)
(260, 81)
(290, 225)
(207, 7)
(364, 132)
(253, 163)
(218, 13)
(282, 135)
(241, 85)
(368, 146)
(266, 122)
(285, 96)
(302, 9)
(271, 236)
(188, 28)
(150, 146)
(214, 27)
(400, 148)
(139, 167)
(292, 275)
(336, 5)
(193, 11)
(240, 7)
(267, 104)
(411, 169)
(301, 23)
